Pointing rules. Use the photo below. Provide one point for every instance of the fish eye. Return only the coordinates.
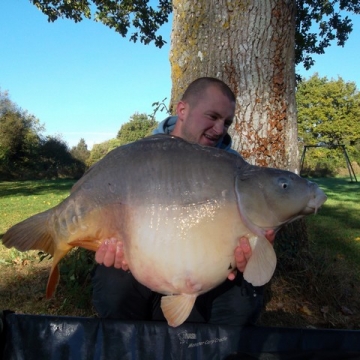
(283, 183)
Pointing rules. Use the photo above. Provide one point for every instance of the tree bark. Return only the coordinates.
(250, 46)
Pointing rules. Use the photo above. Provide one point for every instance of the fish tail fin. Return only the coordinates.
(31, 234)
(177, 308)
(262, 263)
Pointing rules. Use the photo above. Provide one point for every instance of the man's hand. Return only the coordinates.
(243, 253)
(111, 253)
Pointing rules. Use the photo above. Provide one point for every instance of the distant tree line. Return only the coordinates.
(25, 153)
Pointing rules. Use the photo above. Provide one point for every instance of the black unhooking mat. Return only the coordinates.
(62, 338)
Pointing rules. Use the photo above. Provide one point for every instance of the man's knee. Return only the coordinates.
(240, 305)
(118, 295)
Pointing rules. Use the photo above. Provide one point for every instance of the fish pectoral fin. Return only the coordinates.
(88, 244)
(177, 308)
(262, 263)
(54, 272)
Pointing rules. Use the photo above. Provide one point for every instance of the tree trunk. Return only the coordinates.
(250, 46)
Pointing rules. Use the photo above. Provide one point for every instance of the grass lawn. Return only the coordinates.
(23, 276)
(320, 289)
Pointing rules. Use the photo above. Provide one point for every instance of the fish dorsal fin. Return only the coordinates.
(262, 263)
(177, 308)
(54, 272)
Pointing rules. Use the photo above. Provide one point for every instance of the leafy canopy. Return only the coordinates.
(328, 115)
(117, 15)
(80, 151)
(19, 132)
(138, 126)
(318, 22)
(328, 111)
(100, 150)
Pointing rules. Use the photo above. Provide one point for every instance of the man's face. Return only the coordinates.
(207, 121)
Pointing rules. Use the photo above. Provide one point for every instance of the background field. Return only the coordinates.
(318, 286)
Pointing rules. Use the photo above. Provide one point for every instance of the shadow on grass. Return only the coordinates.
(38, 187)
(23, 290)
(340, 218)
(335, 228)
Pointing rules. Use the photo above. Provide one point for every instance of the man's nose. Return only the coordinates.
(219, 127)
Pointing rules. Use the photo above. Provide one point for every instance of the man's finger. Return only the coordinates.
(124, 265)
(240, 259)
(100, 253)
(232, 275)
(118, 264)
(245, 247)
(109, 257)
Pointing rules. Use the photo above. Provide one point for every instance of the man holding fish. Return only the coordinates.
(204, 115)
(180, 209)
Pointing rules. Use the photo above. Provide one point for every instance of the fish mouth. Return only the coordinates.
(315, 203)
(310, 210)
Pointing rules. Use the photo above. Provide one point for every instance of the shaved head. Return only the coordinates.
(197, 89)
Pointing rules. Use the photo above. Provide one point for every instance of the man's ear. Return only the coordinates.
(181, 109)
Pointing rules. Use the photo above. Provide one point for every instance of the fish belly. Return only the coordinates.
(183, 249)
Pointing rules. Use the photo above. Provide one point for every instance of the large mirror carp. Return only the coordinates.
(179, 209)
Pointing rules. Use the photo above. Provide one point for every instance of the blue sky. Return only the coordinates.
(84, 80)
